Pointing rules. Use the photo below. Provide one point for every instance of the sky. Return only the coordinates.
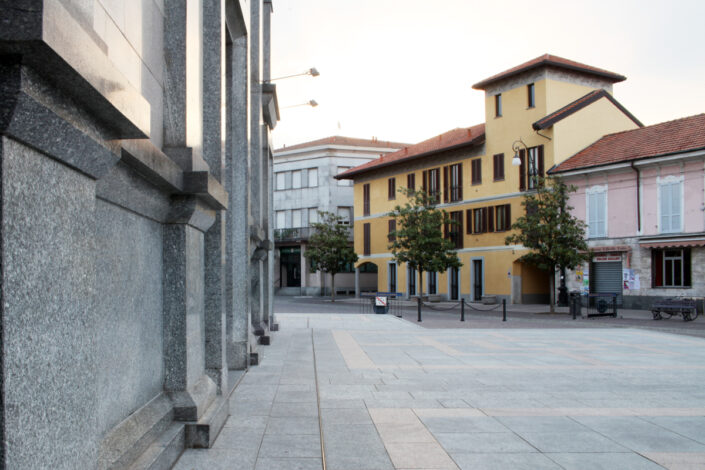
(403, 70)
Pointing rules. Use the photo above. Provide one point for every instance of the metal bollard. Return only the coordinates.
(504, 309)
(418, 307)
(574, 306)
(462, 309)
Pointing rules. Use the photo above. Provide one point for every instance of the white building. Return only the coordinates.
(303, 185)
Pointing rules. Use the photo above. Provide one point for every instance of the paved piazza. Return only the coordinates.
(383, 394)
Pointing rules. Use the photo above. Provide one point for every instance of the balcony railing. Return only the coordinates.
(301, 233)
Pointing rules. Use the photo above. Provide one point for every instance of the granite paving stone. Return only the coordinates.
(395, 396)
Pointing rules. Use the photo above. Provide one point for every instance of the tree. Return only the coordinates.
(555, 237)
(418, 239)
(328, 247)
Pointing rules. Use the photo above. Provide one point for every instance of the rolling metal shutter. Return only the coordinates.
(606, 277)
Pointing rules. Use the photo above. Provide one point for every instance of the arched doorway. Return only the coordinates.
(368, 277)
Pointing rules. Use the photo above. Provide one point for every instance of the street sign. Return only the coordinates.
(380, 301)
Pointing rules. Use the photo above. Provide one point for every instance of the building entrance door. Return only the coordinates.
(290, 272)
(454, 283)
(477, 279)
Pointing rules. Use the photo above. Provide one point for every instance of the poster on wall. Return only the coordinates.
(585, 287)
(630, 280)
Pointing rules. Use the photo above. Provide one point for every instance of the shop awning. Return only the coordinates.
(672, 243)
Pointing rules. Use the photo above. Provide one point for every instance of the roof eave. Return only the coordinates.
(613, 77)
(351, 173)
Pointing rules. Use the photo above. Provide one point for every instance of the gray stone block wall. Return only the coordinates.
(125, 273)
(129, 314)
(48, 312)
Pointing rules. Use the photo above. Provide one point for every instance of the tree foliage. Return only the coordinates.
(329, 247)
(554, 236)
(418, 239)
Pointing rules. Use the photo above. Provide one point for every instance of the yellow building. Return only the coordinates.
(544, 110)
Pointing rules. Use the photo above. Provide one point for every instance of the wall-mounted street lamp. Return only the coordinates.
(516, 146)
(531, 157)
(312, 71)
(311, 103)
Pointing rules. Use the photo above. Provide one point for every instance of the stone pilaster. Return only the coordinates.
(237, 181)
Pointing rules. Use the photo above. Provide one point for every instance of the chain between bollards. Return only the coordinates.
(462, 309)
(504, 309)
(418, 307)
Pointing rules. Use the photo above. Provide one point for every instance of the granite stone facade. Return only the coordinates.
(135, 260)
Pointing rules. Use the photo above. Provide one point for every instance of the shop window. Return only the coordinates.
(671, 268)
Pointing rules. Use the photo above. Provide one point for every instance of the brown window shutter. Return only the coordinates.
(459, 229)
(490, 219)
(445, 184)
(438, 184)
(424, 181)
(366, 199)
(540, 162)
(460, 181)
(522, 170)
(366, 239)
(495, 169)
(468, 221)
(508, 216)
(445, 230)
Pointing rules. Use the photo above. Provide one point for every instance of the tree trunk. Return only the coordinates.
(332, 287)
(552, 296)
(421, 284)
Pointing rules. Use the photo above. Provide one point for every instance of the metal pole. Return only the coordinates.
(418, 307)
(462, 309)
(574, 305)
(504, 309)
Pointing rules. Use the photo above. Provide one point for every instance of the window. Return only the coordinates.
(411, 181)
(532, 171)
(296, 179)
(454, 231)
(479, 218)
(296, 218)
(432, 283)
(670, 204)
(281, 219)
(312, 177)
(312, 216)
(671, 268)
(503, 219)
(341, 169)
(498, 166)
(476, 171)
(498, 105)
(366, 239)
(344, 213)
(432, 183)
(391, 188)
(366, 199)
(453, 183)
(392, 226)
(392, 277)
(531, 95)
(411, 277)
(596, 199)
(281, 180)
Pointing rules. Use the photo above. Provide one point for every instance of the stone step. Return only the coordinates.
(163, 453)
(129, 439)
(202, 433)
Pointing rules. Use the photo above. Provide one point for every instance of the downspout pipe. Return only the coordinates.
(638, 197)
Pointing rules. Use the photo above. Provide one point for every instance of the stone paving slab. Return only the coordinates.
(386, 394)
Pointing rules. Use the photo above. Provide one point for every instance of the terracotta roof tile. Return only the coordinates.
(550, 60)
(577, 105)
(341, 140)
(461, 137)
(680, 135)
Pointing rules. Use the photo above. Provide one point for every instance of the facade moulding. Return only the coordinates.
(48, 39)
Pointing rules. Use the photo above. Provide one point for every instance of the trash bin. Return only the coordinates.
(381, 304)
(575, 304)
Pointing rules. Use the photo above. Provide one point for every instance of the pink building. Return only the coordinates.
(642, 195)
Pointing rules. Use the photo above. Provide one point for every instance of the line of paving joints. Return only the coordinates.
(318, 402)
